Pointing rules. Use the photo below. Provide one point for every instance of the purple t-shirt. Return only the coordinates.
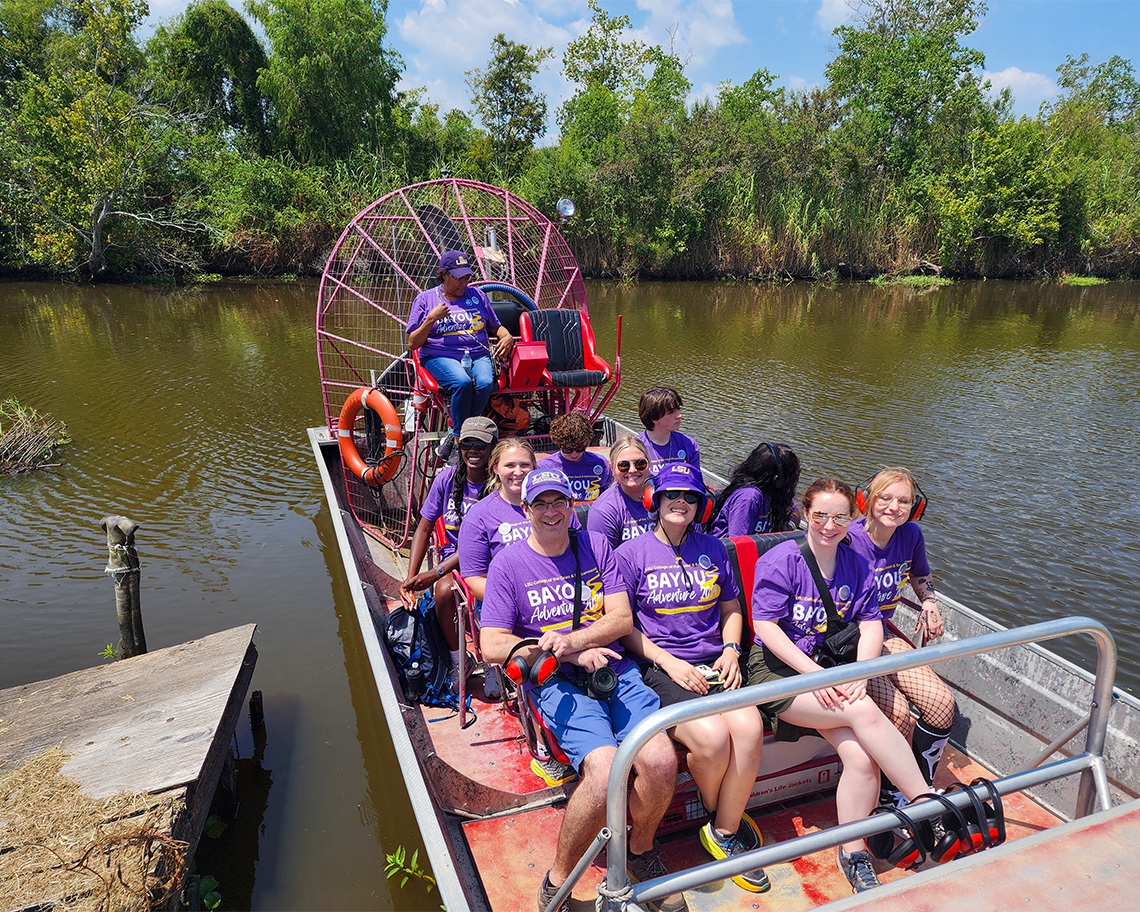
(489, 526)
(744, 513)
(905, 554)
(440, 501)
(529, 593)
(463, 329)
(785, 592)
(678, 607)
(589, 476)
(617, 517)
(680, 448)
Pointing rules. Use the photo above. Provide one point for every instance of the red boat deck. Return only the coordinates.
(513, 851)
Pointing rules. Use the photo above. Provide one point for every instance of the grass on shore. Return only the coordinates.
(910, 281)
(28, 440)
(1068, 279)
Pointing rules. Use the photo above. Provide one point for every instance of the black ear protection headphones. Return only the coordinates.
(520, 672)
(863, 497)
(954, 841)
(778, 481)
(908, 853)
(704, 508)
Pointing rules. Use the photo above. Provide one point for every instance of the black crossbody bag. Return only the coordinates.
(841, 641)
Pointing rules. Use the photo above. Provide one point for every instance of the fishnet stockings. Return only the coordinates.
(894, 694)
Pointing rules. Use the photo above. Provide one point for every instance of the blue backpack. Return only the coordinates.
(420, 653)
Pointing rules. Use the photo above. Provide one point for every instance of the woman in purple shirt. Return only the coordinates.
(761, 495)
(449, 324)
(789, 620)
(686, 608)
(619, 514)
(894, 547)
(659, 409)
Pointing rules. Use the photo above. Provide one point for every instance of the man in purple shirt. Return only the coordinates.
(659, 409)
(531, 593)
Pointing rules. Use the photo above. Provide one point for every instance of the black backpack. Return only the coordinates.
(419, 653)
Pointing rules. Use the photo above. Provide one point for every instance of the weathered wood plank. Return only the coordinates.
(138, 725)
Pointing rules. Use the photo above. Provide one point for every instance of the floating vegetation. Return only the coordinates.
(28, 440)
(1067, 279)
(912, 281)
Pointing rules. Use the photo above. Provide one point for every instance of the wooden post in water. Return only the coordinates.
(123, 565)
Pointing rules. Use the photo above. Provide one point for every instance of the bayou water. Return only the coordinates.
(1014, 403)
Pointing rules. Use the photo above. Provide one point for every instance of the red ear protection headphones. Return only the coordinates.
(908, 853)
(956, 840)
(520, 672)
(863, 495)
(986, 822)
(704, 508)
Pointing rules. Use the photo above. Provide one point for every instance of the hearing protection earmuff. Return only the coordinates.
(863, 496)
(704, 508)
(778, 481)
(519, 671)
(957, 837)
(908, 853)
(986, 822)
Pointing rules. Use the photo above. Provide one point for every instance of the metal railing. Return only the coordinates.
(1090, 764)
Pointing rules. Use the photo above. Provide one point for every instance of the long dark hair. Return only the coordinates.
(459, 484)
(775, 477)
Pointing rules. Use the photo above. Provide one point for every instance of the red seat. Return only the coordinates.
(743, 552)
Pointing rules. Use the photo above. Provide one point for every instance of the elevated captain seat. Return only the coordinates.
(572, 361)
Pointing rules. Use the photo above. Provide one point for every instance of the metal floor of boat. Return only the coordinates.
(493, 753)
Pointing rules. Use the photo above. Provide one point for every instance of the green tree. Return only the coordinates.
(210, 58)
(511, 110)
(330, 79)
(97, 164)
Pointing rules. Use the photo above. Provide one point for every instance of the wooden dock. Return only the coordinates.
(159, 724)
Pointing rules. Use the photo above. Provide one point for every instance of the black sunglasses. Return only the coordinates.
(691, 497)
(473, 444)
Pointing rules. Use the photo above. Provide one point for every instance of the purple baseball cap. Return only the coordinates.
(455, 262)
(680, 476)
(542, 480)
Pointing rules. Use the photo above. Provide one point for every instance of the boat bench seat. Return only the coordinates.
(743, 552)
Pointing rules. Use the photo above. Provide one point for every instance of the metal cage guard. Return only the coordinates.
(1090, 764)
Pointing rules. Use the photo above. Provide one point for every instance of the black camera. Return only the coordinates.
(601, 683)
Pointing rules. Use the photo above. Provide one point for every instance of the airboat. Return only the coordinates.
(1058, 743)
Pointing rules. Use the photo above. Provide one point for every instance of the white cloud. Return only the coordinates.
(443, 39)
(706, 91)
(795, 83)
(1029, 89)
(701, 28)
(832, 14)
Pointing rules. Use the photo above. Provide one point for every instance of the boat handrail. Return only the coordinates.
(1090, 764)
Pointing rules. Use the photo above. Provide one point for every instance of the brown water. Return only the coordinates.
(1014, 403)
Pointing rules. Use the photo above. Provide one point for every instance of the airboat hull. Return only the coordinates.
(489, 825)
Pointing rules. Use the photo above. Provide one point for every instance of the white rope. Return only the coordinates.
(606, 897)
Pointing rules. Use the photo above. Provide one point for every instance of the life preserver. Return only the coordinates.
(393, 436)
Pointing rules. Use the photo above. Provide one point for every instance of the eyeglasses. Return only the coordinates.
(541, 506)
(691, 497)
(573, 449)
(473, 444)
(885, 499)
(821, 518)
(639, 464)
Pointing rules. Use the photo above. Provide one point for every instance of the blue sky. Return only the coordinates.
(1024, 41)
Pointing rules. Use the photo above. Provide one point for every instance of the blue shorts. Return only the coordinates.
(582, 724)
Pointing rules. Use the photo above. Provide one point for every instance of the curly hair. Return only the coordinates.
(572, 431)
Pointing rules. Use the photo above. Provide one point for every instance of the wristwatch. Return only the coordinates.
(735, 646)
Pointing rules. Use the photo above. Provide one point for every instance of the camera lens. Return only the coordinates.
(601, 683)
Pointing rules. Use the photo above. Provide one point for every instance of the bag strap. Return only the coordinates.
(817, 575)
(577, 580)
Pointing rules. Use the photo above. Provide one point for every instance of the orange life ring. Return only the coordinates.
(393, 436)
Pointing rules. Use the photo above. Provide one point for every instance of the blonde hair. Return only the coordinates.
(621, 443)
(509, 443)
(883, 479)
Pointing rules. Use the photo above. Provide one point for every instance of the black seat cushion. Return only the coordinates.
(561, 330)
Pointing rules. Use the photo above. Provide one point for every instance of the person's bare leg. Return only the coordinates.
(586, 812)
(445, 603)
(710, 752)
(650, 793)
(746, 741)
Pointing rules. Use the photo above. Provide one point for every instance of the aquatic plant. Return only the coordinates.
(28, 440)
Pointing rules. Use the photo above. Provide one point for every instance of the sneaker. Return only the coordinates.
(445, 448)
(745, 839)
(551, 771)
(546, 894)
(856, 867)
(648, 866)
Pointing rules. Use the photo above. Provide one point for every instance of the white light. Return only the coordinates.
(566, 208)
